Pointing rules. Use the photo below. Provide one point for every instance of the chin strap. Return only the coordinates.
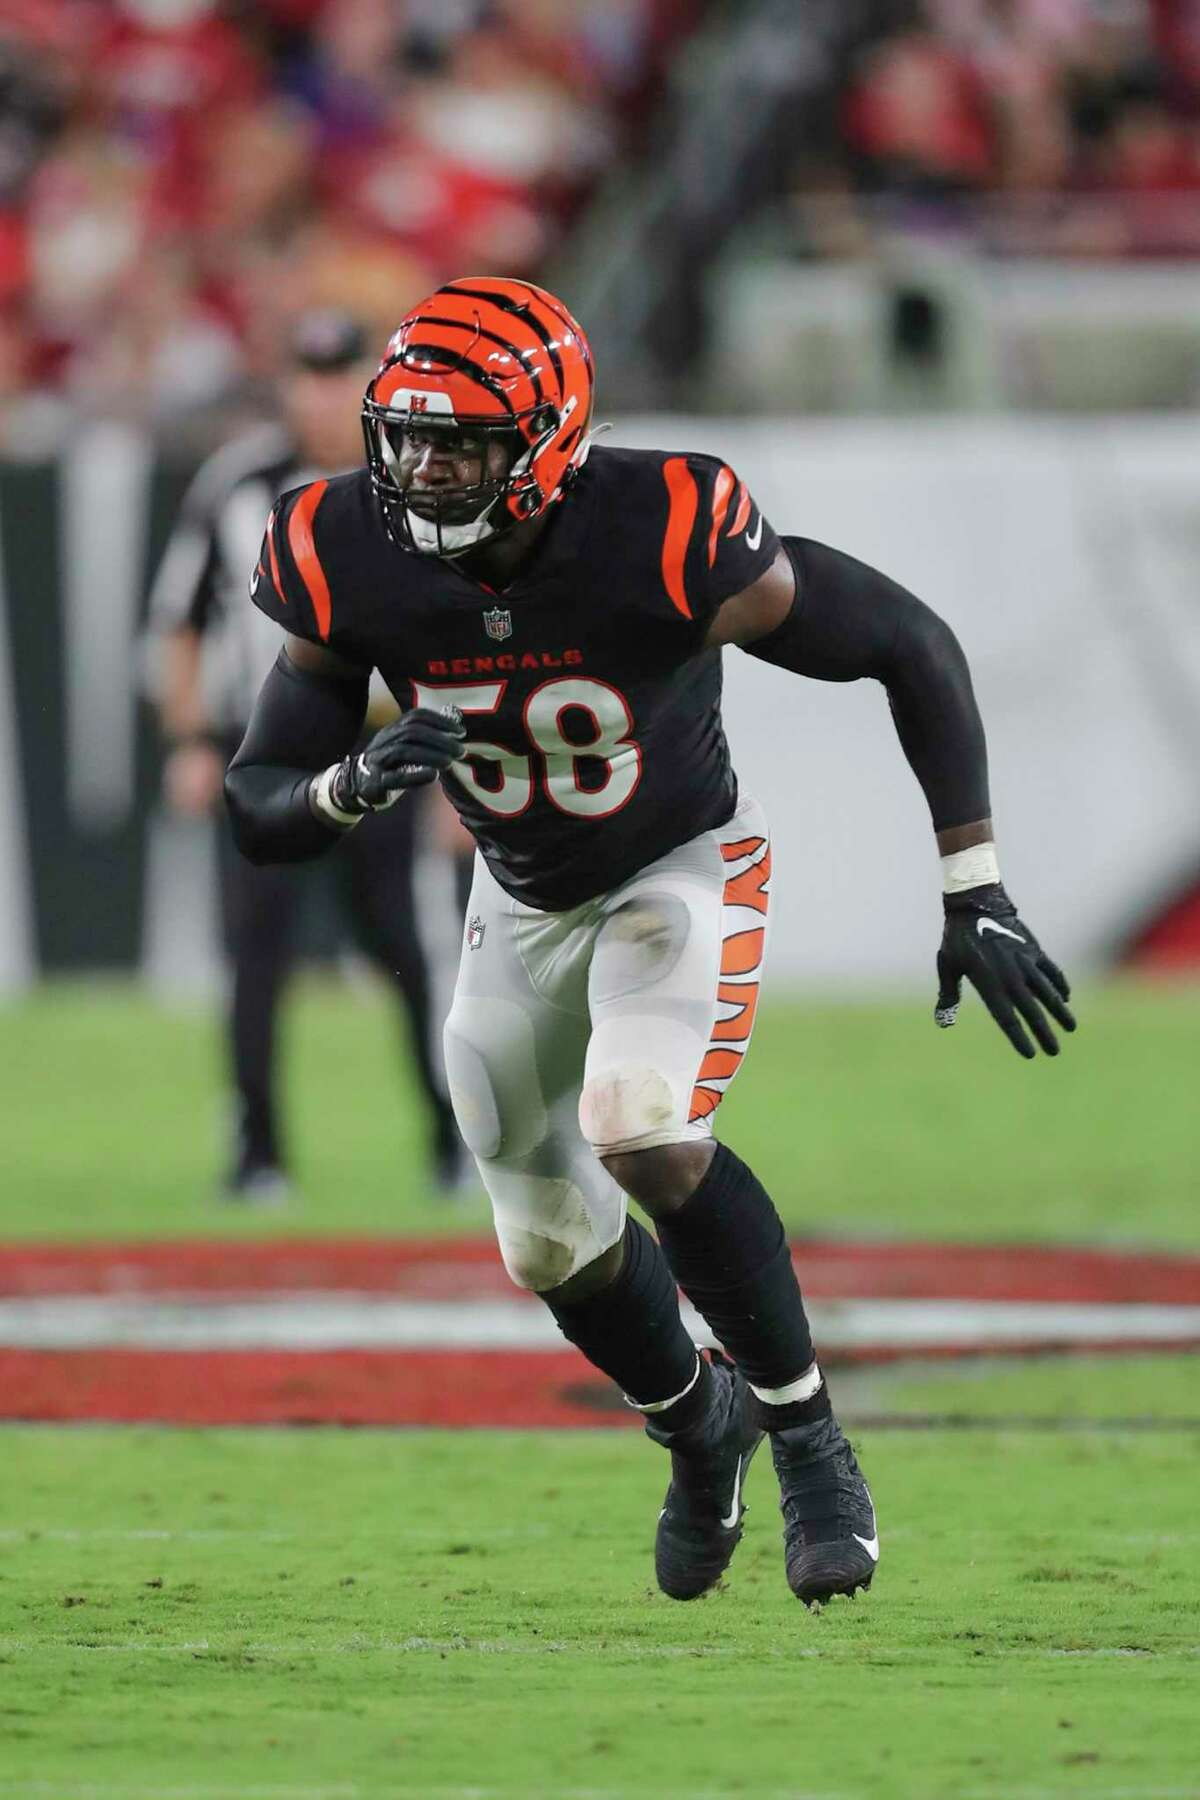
(589, 438)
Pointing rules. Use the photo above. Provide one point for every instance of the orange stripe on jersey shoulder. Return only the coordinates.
(684, 503)
(304, 551)
(273, 558)
(722, 488)
(742, 514)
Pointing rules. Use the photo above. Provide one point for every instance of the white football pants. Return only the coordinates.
(616, 1026)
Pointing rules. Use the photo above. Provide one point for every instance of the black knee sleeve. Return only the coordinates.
(728, 1251)
(631, 1329)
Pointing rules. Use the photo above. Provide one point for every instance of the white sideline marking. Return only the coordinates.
(365, 1321)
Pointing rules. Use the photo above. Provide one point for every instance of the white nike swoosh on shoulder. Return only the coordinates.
(731, 1518)
(754, 538)
(982, 925)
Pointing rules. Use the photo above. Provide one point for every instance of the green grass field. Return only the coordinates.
(335, 1615)
(342, 1615)
(861, 1120)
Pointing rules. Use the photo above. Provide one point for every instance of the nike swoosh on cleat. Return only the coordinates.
(982, 925)
(870, 1545)
(731, 1520)
(754, 538)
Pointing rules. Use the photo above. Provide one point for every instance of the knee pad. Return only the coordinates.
(535, 1262)
(629, 1109)
(545, 1227)
(491, 1070)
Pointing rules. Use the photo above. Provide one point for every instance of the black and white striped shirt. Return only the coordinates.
(202, 581)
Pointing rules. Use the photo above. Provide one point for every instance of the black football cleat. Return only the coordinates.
(830, 1540)
(700, 1524)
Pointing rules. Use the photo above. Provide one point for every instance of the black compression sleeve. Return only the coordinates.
(301, 723)
(849, 621)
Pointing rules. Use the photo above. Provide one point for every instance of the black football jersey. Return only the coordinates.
(594, 737)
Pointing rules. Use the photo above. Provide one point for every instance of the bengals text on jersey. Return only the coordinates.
(592, 707)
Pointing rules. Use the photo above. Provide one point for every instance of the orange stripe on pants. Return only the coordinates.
(749, 888)
(739, 1025)
(742, 952)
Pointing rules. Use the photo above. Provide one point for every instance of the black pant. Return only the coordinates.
(260, 908)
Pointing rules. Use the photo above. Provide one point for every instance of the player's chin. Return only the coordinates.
(434, 512)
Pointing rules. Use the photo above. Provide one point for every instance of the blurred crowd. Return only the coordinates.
(1069, 127)
(180, 178)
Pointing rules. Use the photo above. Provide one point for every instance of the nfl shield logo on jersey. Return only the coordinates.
(498, 623)
(475, 931)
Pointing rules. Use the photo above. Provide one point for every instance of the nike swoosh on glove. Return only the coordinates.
(986, 942)
(410, 752)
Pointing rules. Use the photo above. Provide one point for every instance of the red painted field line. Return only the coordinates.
(462, 1268)
(526, 1390)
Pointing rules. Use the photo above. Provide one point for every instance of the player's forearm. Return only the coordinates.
(301, 724)
(272, 819)
(939, 727)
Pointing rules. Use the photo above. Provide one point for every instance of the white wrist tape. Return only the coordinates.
(970, 868)
(324, 805)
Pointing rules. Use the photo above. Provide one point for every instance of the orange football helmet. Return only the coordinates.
(483, 362)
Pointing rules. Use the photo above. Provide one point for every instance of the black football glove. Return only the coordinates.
(410, 752)
(986, 941)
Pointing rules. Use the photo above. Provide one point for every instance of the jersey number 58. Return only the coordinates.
(511, 784)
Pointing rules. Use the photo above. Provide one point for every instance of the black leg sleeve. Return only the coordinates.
(632, 1331)
(728, 1251)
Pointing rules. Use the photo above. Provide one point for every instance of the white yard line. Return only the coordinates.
(367, 1322)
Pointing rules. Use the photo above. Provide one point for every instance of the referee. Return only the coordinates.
(216, 649)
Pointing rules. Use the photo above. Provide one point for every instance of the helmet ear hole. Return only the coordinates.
(543, 420)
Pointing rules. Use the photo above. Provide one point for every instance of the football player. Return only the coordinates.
(552, 616)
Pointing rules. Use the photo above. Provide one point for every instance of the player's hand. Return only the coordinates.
(410, 752)
(985, 941)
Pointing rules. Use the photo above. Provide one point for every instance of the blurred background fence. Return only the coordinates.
(926, 271)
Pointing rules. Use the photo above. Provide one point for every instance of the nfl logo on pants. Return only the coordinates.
(498, 623)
